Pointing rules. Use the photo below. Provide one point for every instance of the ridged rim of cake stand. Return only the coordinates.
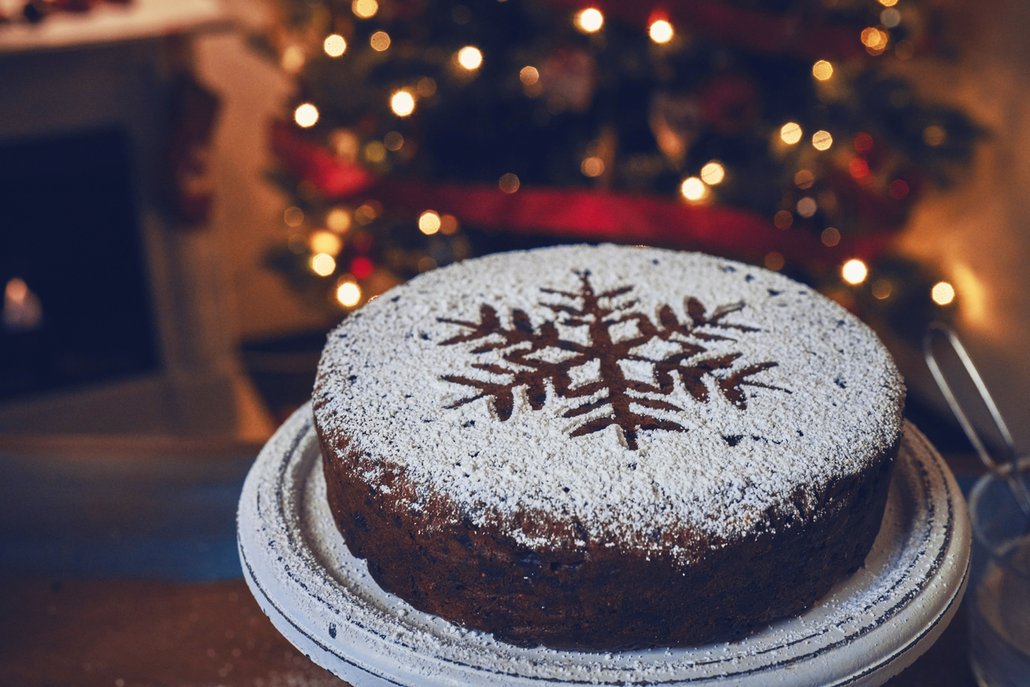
(867, 629)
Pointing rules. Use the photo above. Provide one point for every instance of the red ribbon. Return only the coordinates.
(588, 215)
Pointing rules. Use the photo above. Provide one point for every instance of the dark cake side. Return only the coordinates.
(599, 598)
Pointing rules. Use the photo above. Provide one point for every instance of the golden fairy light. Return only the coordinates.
(380, 41)
(822, 140)
(881, 289)
(334, 45)
(470, 58)
(429, 222)
(374, 151)
(890, 18)
(791, 133)
(888, 3)
(306, 115)
(322, 264)
(393, 140)
(293, 58)
(934, 135)
(822, 70)
(783, 220)
(293, 217)
(529, 75)
(402, 102)
(874, 39)
(774, 261)
(693, 189)
(366, 213)
(345, 143)
(592, 166)
(830, 237)
(854, 271)
(589, 20)
(713, 173)
(942, 293)
(448, 224)
(348, 293)
(804, 179)
(509, 183)
(364, 9)
(806, 207)
(338, 220)
(323, 241)
(660, 31)
(425, 87)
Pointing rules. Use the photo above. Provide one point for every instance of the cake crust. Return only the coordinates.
(479, 455)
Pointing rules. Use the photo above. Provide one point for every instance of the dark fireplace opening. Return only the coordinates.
(75, 306)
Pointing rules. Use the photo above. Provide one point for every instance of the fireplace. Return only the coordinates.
(115, 313)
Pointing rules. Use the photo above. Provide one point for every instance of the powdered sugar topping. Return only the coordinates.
(480, 385)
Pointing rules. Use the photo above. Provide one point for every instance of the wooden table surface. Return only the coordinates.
(118, 568)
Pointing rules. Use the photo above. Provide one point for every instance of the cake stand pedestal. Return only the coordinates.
(868, 628)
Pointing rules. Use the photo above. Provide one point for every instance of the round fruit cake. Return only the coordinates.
(607, 447)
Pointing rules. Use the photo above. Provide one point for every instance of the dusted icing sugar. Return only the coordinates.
(625, 391)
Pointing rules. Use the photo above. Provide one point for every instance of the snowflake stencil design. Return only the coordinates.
(539, 360)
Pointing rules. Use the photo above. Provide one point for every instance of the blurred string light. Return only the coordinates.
(713, 173)
(374, 151)
(306, 115)
(529, 75)
(804, 179)
(293, 217)
(448, 224)
(334, 45)
(380, 41)
(783, 220)
(589, 20)
(822, 140)
(791, 133)
(323, 241)
(348, 293)
(693, 189)
(393, 141)
(470, 58)
(661, 31)
(338, 220)
(402, 102)
(774, 261)
(592, 166)
(806, 207)
(942, 293)
(509, 183)
(429, 222)
(881, 289)
(322, 264)
(364, 9)
(890, 18)
(854, 271)
(830, 237)
(874, 39)
(888, 3)
(822, 70)
(934, 135)
(293, 58)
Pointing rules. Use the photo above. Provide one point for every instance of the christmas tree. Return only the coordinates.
(777, 133)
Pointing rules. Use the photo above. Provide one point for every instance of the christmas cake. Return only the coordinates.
(607, 447)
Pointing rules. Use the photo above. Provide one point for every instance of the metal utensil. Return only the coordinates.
(1007, 468)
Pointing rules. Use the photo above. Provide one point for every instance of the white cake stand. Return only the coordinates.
(867, 629)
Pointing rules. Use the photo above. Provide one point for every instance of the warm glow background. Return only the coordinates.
(976, 233)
